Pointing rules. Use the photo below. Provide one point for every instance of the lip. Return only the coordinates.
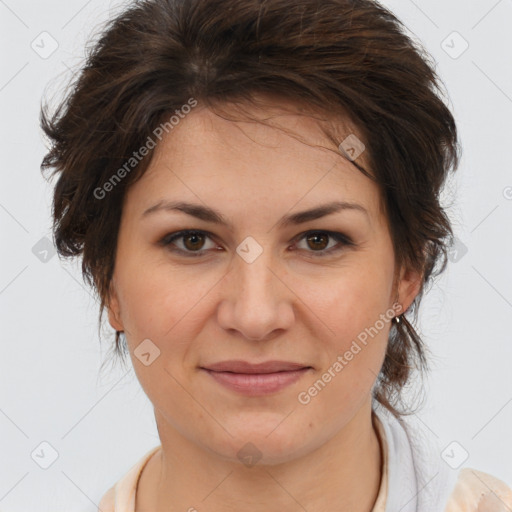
(256, 379)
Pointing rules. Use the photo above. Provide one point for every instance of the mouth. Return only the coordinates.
(256, 379)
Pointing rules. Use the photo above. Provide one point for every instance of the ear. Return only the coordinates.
(114, 310)
(408, 287)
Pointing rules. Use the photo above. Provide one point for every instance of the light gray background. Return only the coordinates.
(50, 386)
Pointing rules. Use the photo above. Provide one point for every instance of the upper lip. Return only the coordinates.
(238, 366)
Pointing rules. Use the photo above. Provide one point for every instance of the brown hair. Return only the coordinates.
(340, 57)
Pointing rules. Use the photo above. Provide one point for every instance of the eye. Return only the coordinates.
(319, 241)
(192, 242)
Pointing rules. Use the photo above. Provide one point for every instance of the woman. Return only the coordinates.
(254, 189)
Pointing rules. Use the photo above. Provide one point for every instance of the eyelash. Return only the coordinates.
(342, 239)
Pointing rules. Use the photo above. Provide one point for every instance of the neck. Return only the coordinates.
(344, 472)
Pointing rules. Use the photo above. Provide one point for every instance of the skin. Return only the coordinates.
(289, 304)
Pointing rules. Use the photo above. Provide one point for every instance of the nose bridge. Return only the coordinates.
(253, 264)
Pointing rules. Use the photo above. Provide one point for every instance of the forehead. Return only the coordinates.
(286, 159)
(277, 124)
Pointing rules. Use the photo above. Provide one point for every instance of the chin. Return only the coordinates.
(265, 443)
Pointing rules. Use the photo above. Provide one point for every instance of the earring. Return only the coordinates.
(396, 319)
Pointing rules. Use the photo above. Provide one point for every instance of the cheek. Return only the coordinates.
(156, 297)
(356, 309)
(350, 301)
(139, 301)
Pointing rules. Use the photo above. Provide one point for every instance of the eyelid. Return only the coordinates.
(342, 239)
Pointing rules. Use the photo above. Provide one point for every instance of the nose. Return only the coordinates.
(256, 302)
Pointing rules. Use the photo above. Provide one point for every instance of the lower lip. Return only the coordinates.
(257, 384)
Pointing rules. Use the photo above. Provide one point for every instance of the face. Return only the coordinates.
(255, 283)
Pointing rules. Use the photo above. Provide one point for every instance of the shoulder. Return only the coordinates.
(107, 502)
(119, 498)
(476, 491)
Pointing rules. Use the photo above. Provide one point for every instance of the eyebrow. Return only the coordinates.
(210, 215)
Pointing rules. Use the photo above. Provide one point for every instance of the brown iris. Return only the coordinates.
(196, 238)
(316, 237)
